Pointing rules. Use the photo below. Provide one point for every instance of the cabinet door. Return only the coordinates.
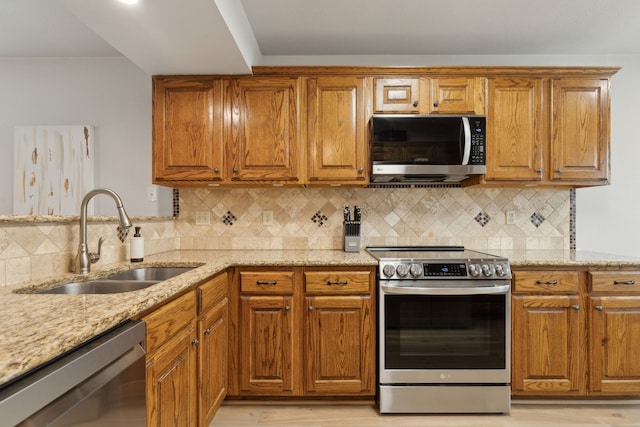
(268, 356)
(213, 358)
(171, 382)
(580, 140)
(263, 136)
(397, 95)
(336, 130)
(614, 338)
(515, 129)
(456, 95)
(187, 129)
(546, 344)
(339, 346)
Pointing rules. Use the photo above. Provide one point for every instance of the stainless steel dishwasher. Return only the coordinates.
(101, 383)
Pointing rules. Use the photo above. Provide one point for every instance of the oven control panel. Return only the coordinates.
(481, 269)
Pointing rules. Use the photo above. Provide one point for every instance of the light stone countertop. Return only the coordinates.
(34, 328)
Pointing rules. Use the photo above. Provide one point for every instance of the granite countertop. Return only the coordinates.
(34, 328)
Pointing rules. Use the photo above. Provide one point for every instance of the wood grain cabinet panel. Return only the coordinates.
(452, 95)
(263, 136)
(187, 129)
(399, 95)
(546, 344)
(337, 130)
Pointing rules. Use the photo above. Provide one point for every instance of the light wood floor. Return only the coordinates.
(522, 415)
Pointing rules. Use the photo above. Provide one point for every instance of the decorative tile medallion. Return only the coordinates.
(229, 218)
(482, 218)
(319, 218)
(537, 219)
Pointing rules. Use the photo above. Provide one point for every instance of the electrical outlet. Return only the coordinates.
(267, 218)
(203, 217)
(152, 193)
(510, 217)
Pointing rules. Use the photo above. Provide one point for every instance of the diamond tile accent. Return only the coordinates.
(229, 218)
(537, 219)
(482, 218)
(319, 218)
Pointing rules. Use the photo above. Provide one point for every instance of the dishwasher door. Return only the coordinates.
(102, 383)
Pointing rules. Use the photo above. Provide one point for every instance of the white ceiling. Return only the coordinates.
(230, 36)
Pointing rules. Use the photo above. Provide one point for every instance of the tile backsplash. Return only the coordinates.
(312, 217)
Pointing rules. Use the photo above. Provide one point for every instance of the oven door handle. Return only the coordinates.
(475, 290)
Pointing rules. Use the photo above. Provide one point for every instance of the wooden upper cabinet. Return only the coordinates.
(337, 128)
(187, 129)
(397, 95)
(516, 131)
(580, 126)
(452, 95)
(430, 95)
(263, 135)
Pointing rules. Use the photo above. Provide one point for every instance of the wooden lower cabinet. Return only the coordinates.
(187, 356)
(575, 333)
(546, 355)
(294, 338)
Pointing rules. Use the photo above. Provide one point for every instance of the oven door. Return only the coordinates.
(445, 335)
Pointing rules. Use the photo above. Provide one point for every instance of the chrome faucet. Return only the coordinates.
(84, 258)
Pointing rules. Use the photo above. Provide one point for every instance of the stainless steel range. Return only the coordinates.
(444, 330)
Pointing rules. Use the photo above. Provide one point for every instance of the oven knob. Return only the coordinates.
(415, 270)
(474, 270)
(486, 270)
(402, 270)
(388, 270)
(500, 270)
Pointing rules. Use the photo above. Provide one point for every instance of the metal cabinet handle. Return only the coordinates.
(216, 170)
(195, 342)
(360, 170)
(558, 170)
(235, 170)
(599, 308)
(287, 308)
(539, 170)
(548, 282)
(207, 331)
(624, 282)
(436, 103)
(575, 307)
(310, 308)
(261, 282)
(343, 283)
(415, 103)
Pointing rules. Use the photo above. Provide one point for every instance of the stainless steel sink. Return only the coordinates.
(149, 273)
(100, 287)
(125, 281)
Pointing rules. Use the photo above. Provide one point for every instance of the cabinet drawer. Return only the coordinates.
(212, 292)
(620, 282)
(337, 282)
(266, 282)
(169, 319)
(545, 281)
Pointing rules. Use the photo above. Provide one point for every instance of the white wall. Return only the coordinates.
(111, 94)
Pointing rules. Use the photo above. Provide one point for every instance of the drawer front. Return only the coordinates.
(617, 282)
(211, 292)
(169, 319)
(546, 281)
(337, 282)
(266, 282)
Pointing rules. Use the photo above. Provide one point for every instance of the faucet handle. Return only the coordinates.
(94, 257)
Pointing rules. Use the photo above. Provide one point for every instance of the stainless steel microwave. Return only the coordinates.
(427, 148)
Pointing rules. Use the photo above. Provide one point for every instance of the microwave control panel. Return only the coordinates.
(478, 152)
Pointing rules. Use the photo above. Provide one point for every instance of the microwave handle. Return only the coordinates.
(466, 152)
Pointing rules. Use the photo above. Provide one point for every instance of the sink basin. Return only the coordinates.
(100, 287)
(149, 273)
(125, 281)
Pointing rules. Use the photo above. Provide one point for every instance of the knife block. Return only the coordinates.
(351, 241)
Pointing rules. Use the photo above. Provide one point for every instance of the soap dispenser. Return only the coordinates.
(136, 253)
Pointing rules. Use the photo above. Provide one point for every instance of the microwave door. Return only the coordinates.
(466, 149)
